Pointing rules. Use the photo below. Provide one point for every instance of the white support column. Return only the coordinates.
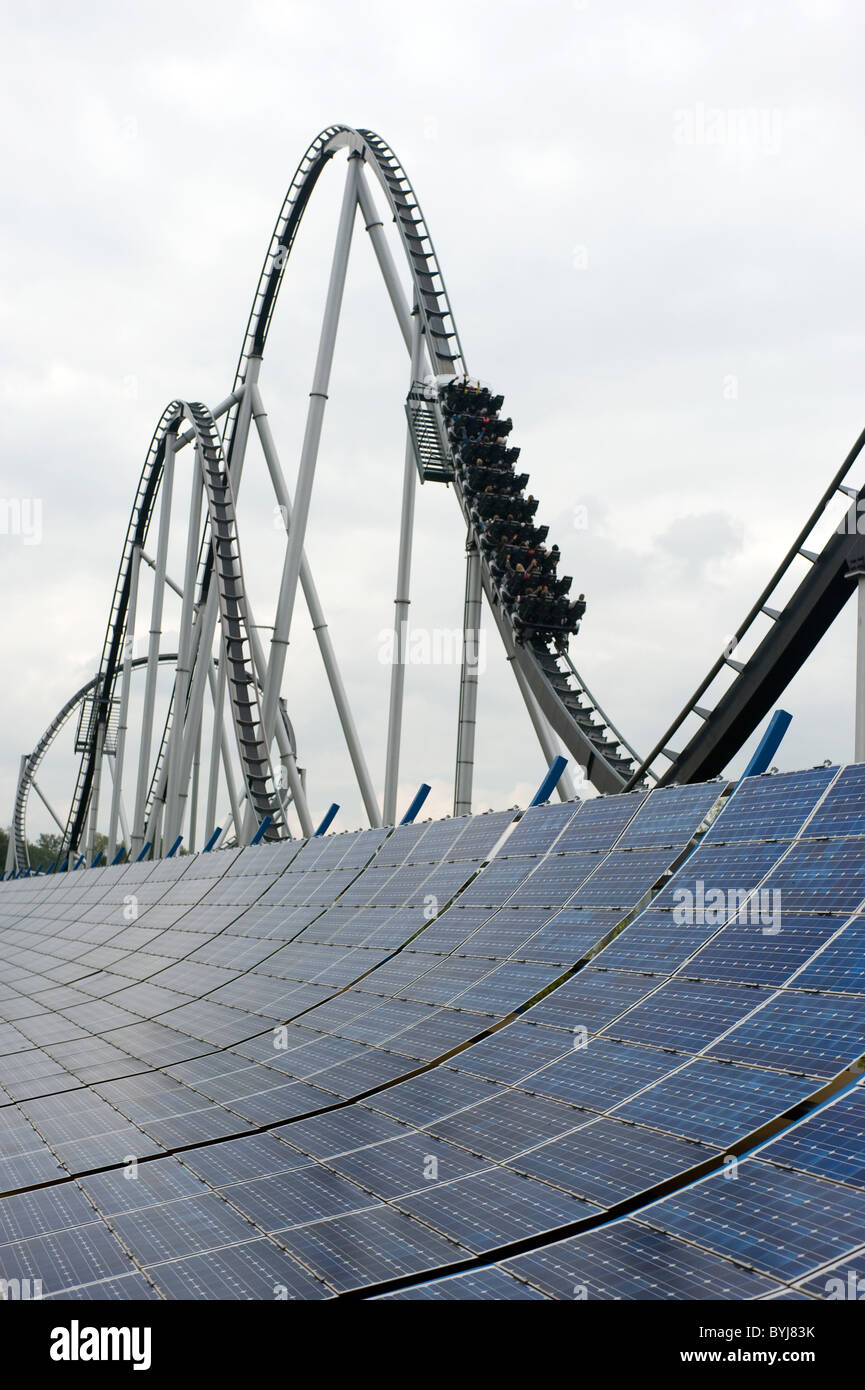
(374, 226)
(295, 784)
(565, 787)
(193, 800)
(221, 743)
(208, 623)
(47, 804)
(124, 825)
(217, 696)
(229, 822)
(241, 426)
(11, 848)
(175, 796)
(143, 782)
(467, 720)
(309, 453)
(95, 789)
(205, 629)
(402, 600)
(319, 622)
(123, 719)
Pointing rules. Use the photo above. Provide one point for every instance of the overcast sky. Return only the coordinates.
(650, 222)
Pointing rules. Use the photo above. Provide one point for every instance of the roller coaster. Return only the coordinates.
(250, 760)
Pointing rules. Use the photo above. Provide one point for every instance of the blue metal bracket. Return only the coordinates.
(550, 782)
(420, 797)
(328, 818)
(768, 745)
(262, 830)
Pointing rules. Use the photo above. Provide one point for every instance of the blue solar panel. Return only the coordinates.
(405, 1165)
(687, 1014)
(841, 965)
(539, 827)
(623, 878)
(765, 948)
(600, 822)
(774, 805)
(255, 1269)
(671, 815)
(799, 1033)
(571, 934)
(491, 1282)
(132, 1038)
(629, 1261)
(351, 1252)
(513, 1052)
(778, 1223)
(656, 942)
(503, 933)
(555, 879)
(287, 1200)
(732, 868)
(822, 876)
(135, 1287)
(67, 1259)
(829, 1144)
(715, 1101)
(609, 1160)
(481, 834)
(843, 810)
(600, 1074)
(506, 987)
(841, 1281)
(590, 999)
(492, 1209)
(422, 1099)
(495, 884)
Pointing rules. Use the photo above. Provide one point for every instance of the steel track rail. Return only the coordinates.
(797, 625)
(30, 768)
(234, 616)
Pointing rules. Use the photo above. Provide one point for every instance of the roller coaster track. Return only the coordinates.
(34, 759)
(224, 547)
(553, 690)
(795, 629)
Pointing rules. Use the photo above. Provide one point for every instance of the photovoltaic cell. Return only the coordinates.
(628, 1261)
(492, 1209)
(775, 805)
(256, 1269)
(488, 1283)
(779, 1223)
(829, 1144)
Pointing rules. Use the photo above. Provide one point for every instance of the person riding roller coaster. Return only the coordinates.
(522, 568)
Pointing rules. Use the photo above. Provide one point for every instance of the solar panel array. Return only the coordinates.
(310, 1068)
